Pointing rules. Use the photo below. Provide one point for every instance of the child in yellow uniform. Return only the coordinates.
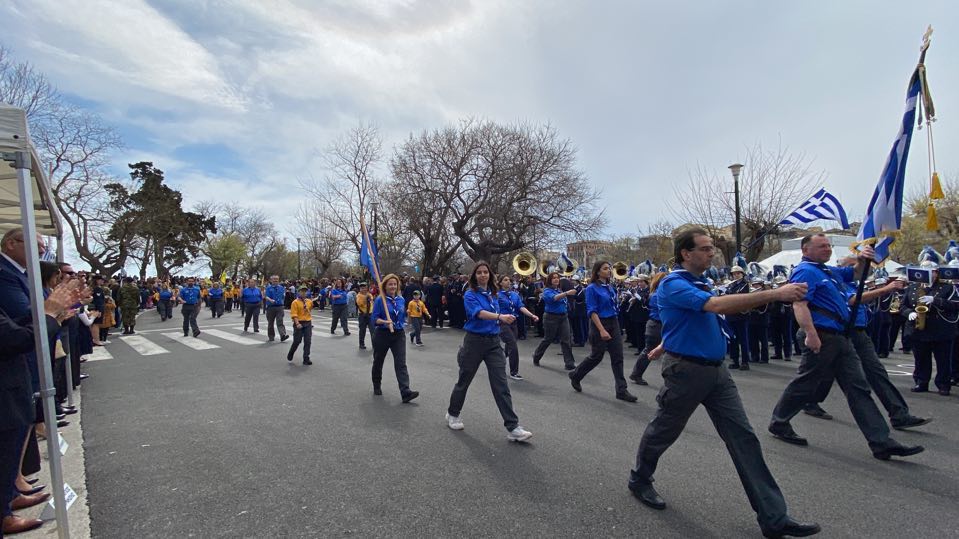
(302, 325)
(416, 310)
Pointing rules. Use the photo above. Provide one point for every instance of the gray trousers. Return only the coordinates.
(303, 334)
(555, 325)
(216, 305)
(836, 359)
(274, 316)
(599, 348)
(417, 333)
(654, 335)
(686, 385)
(251, 311)
(383, 342)
(339, 315)
(189, 318)
(477, 349)
(876, 375)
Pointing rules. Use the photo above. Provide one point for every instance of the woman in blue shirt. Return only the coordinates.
(604, 334)
(165, 302)
(481, 345)
(511, 303)
(389, 317)
(252, 302)
(654, 332)
(556, 321)
(338, 302)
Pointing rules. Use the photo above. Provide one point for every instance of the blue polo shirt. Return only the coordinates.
(397, 308)
(252, 294)
(277, 293)
(688, 330)
(601, 299)
(654, 307)
(551, 304)
(341, 300)
(166, 294)
(216, 293)
(509, 302)
(480, 300)
(827, 291)
(190, 294)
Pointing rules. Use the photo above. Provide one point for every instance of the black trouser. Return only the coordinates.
(477, 349)
(364, 322)
(759, 342)
(836, 358)
(216, 305)
(339, 316)
(436, 310)
(555, 325)
(876, 375)
(508, 334)
(923, 352)
(899, 324)
(740, 344)
(274, 317)
(303, 333)
(60, 378)
(599, 347)
(383, 342)
(251, 311)
(782, 335)
(686, 386)
(654, 335)
(189, 313)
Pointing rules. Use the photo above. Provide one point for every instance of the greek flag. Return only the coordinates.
(884, 215)
(822, 205)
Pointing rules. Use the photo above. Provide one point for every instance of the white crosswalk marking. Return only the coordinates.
(192, 342)
(143, 346)
(238, 339)
(99, 354)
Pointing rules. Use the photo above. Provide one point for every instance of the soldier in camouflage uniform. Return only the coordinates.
(129, 301)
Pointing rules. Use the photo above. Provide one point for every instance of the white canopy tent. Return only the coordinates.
(26, 201)
(791, 257)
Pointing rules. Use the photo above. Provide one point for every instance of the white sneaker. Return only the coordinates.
(517, 376)
(454, 422)
(519, 434)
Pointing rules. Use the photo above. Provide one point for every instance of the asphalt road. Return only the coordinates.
(234, 441)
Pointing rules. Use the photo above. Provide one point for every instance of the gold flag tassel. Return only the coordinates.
(932, 224)
(928, 110)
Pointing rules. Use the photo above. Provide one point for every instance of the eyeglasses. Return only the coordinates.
(704, 249)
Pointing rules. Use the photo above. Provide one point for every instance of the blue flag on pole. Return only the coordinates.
(369, 258)
(822, 205)
(884, 215)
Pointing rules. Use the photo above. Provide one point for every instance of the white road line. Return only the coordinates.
(192, 342)
(178, 325)
(238, 339)
(143, 346)
(99, 354)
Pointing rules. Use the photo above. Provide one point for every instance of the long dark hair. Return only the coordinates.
(596, 267)
(549, 279)
(491, 284)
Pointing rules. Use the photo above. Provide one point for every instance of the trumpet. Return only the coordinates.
(524, 264)
(620, 271)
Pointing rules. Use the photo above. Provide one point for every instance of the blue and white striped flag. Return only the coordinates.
(822, 205)
(884, 214)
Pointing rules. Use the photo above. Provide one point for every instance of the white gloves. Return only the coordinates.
(926, 300)
(913, 316)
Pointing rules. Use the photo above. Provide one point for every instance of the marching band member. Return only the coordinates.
(556, 321)
(738, 322)
(275, 296)
(388, 336)
(511, 303)
(252, 302)
(338, 301)
(935, 338)
(758, 334)
(481, 345)
(653, 334)
(604, 333)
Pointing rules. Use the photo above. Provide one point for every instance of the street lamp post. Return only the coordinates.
(736, 169)
(374, 205)
(298, 266)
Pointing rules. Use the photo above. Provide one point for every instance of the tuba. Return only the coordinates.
(543, 268)
(620, 271)
(524, 264)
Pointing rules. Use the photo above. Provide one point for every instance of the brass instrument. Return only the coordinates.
(568, 270)
(620, 271)
(543, 268)
(895, 305)
(921, 311)
(524, 264)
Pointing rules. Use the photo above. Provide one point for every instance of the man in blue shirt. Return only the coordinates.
(694, 347)
(252, 302)
(275, 295)
(190, 299)
(823, 314)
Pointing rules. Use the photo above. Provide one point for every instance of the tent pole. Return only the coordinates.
(42, 346)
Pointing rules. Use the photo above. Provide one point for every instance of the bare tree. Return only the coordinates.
(319, 241)
(350, 186)
(252, 227)
(22, 86)
(773, 183)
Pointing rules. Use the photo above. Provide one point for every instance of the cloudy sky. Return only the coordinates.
(235, 99)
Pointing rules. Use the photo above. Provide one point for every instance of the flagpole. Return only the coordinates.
(376, 270)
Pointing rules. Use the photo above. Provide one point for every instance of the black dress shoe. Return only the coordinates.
(787, 434)
(410, 396)
(626, 396)
(32, 491)
(647, 494)
(307, 362)
(775, 357)
(919, 389)
(744, 367)
(638, 380)
(535, 362)
(362, 347)
(793, 529)
(289, 357)
(944, 392)
(733, 366)
(575, 383)
(61, 417)
(196, 334)
(816, 411)
(377, 390)
(33, 481)
(898, 450)
(910, 422)
(62, 424)
(283, 338)
(569, 367)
